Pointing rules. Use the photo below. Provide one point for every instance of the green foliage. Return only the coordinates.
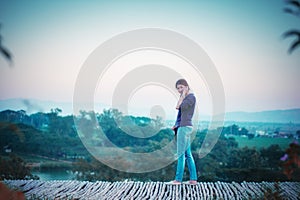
(271, 157)
(262, 142)
(59, 140)
(59, 143)
(234, 130)
(293, 7)
(116, 128)
(226, 162)
(61, 126)
(291, 162)
(14, 167)
(245, 158)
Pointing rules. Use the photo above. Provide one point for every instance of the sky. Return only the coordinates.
(51, 40)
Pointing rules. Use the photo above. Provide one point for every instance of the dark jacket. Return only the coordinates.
(186, 111)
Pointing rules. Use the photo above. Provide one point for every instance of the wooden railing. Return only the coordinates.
(35, 189)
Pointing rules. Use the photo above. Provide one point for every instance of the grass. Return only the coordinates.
(262, 142)
(46, 163)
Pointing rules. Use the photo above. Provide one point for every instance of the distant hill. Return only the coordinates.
(31, 106)
(281, 116)
(275, 116)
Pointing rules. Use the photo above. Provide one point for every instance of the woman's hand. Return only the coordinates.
(183, 95)
(185, 91)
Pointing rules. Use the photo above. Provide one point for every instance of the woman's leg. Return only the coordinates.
(184, 152)
(191, 162)
(181, 143)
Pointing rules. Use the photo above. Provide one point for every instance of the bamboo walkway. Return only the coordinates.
(35, 189)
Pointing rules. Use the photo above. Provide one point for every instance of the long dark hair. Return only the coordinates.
(182, 82)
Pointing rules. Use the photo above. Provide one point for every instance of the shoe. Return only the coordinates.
(173, 183)
(190, 182)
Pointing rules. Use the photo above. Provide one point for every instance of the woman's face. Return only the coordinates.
(181, 88)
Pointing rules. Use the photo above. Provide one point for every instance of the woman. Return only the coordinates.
(184, 127)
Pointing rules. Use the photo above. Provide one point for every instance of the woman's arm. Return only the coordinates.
(180, 101)
(188, 102)
(183, 95)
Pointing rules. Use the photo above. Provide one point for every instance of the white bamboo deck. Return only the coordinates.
(35, 189)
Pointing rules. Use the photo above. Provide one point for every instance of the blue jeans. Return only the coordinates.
(184, 153)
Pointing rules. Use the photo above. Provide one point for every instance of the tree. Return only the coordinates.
(56, 124)
(291, 162)
(298, 133)
(271, 157)
(244, 158)
(14, 168)
(293, 7)
(7, 55)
